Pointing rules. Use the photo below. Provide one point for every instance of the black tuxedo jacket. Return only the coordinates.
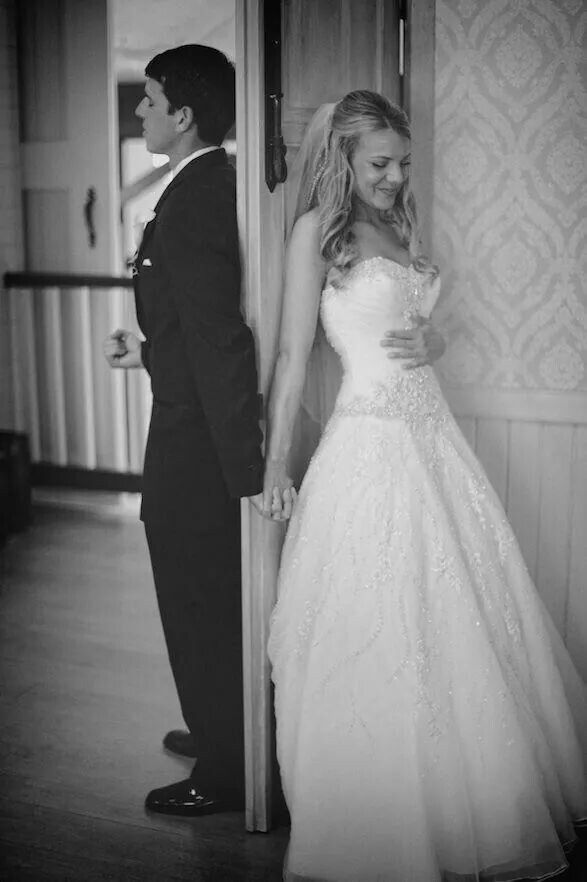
(198, 350)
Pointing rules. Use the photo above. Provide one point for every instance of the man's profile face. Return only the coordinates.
(159, 126)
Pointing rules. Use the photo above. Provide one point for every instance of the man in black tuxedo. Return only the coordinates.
(204, 444)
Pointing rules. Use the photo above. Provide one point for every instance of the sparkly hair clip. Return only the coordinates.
(320, 169)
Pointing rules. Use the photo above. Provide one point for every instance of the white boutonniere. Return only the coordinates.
(139, 225)
(140, 222)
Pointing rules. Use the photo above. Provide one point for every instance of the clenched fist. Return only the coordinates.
(122, 349)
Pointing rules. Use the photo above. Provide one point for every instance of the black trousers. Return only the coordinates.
(198, 584)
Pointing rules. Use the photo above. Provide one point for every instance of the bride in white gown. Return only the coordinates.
(430, 723)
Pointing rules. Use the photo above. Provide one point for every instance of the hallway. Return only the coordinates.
(86, 696)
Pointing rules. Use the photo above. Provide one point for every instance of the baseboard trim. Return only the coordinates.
(46, 474)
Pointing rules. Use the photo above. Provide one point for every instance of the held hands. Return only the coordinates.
(421, 345)
(418, 346)
(279, 494)
(122, 349)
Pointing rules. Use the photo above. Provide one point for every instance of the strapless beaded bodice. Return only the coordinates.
(377, 295)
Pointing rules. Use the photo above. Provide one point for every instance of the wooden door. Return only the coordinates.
(329, 48)
(332, 47)
(71, 225)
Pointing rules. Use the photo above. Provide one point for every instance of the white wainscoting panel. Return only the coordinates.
(554, 519)
(539, 470)
(577, 590)
(76, 410)
(524, 487)
(78, 377)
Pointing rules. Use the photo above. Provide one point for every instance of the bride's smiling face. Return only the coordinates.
(381, 163)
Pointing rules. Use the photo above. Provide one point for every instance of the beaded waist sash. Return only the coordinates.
(411, 395)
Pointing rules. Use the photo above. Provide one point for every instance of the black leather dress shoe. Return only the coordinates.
(182, 798)
(181, 742)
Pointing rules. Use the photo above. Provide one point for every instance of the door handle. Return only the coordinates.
(275, 149)
(89, 216)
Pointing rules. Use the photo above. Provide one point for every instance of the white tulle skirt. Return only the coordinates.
(430, 724)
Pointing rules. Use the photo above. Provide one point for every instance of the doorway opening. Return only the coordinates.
(139, 32)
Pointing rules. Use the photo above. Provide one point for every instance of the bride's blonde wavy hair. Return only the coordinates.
(329, 177)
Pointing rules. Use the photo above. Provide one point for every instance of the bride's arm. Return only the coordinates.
(304, 278)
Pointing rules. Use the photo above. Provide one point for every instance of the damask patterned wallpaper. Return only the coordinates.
(510, 210)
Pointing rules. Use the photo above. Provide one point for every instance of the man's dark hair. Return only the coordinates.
(202, 78)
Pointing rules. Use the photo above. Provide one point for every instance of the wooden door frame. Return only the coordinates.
(261, 222)
(261, 228)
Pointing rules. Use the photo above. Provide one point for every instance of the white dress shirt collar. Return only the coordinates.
(191, 157)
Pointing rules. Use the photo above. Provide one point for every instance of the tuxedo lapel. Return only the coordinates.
(194, 169)
(147, 233)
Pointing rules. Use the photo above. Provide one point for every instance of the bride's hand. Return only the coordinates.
(288, 499)
(279, 494)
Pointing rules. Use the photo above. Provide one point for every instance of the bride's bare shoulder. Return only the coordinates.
(308, 223)
(305, 235)
(310, 218)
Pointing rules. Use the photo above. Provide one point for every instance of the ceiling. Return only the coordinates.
(142, 28)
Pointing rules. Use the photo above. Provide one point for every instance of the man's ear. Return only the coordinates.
(184, 118)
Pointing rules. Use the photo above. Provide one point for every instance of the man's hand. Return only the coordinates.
(419, 346)
(279, 508)
(279, 494)
(122, 349)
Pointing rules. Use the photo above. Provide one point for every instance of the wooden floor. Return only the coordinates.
(85, 697)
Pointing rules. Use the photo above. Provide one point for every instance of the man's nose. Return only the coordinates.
(139, 110)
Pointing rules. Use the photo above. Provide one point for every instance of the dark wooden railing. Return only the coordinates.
(64, 280)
